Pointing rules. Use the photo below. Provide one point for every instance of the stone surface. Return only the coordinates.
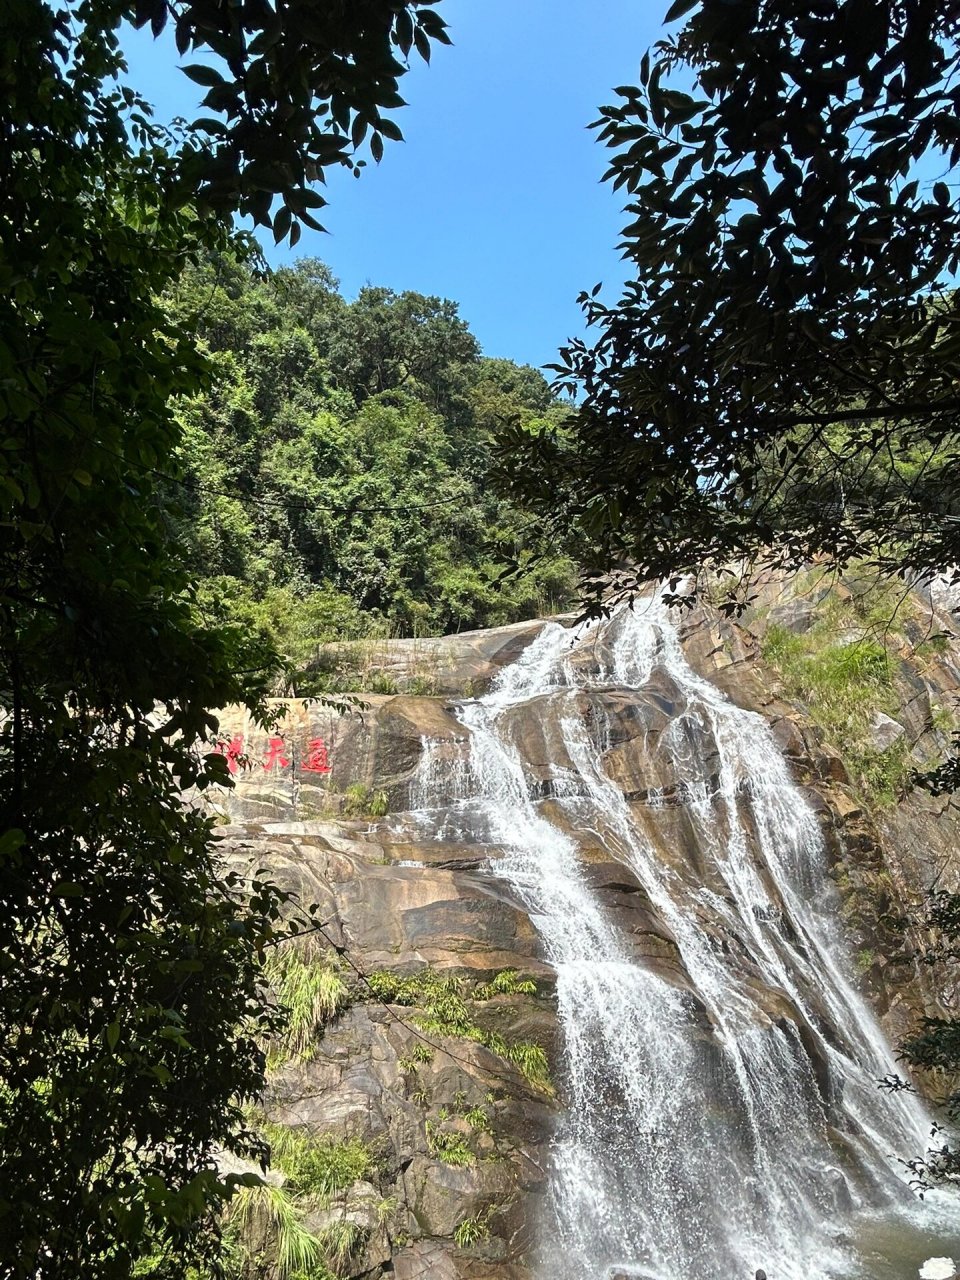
(363, 1078)
(394, 899)
(885, 731)
(461, 665)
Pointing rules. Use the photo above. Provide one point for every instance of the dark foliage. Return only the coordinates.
(131, 1000)
(780, 376)
(294, 88)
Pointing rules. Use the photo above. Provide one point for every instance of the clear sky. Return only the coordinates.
(494, 198)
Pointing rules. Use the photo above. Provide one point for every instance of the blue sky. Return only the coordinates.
(494, 198)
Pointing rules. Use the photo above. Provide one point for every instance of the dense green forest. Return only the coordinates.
(336, 477)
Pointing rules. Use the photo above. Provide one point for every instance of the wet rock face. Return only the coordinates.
(398, 900)
(883, 859)
(417, 1098)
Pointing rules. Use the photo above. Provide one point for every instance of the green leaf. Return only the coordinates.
(203, 75)
(680, 106)
(11, 841)
(422, 44)
(390, 130)
(403, 30)
(281, 224)
(678, 9)
(67, 889)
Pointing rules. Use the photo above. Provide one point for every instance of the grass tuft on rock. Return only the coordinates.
(311, 991)
(506, 983)
(441, 1001)
(450, 1147)
(318, 1166)
(472, 1231)
(341, 1241)
(271, 1215)
(361, 801)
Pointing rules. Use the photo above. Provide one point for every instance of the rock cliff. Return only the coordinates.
(433, 1056)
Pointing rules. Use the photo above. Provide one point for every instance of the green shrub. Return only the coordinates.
(477, 1118)
(439, 996)
(779, 645)
(271, 1213)
(881, 604)
(506, 983)
(386, 1208)
(382, 682)
(318, 1166)
(884, 774)
(342, 1240)
(421, 687)
(532, 1062)
(451, 1148)
(844, 667)
(442, 1010)
(312, 992)
(843, 686)
(864, 960)
(471, 1231)
(361, 801)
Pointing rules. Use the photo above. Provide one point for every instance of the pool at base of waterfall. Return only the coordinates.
(895, 1249)
(885, 1249)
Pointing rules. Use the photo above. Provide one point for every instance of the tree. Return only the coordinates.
(130, 991)
(338, 464)
(780, 376)
(406, 342)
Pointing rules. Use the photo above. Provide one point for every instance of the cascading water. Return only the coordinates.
(723, 1111)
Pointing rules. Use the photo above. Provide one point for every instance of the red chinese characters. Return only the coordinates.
(233, 750)
(317, 760)
(275, 754)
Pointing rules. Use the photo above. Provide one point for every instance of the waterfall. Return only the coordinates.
(722, 1109)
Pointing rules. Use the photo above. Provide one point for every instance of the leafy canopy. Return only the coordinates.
(294, 88)
(131, 1003)
(781, 372)
(336, 473)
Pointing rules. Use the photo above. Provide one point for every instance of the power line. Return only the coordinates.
(415, 1031)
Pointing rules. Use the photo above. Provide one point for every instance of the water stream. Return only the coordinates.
(722, 1104)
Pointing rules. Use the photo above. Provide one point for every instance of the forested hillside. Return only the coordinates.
(335, 479)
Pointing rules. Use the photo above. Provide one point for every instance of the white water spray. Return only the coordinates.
(723, 1110)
